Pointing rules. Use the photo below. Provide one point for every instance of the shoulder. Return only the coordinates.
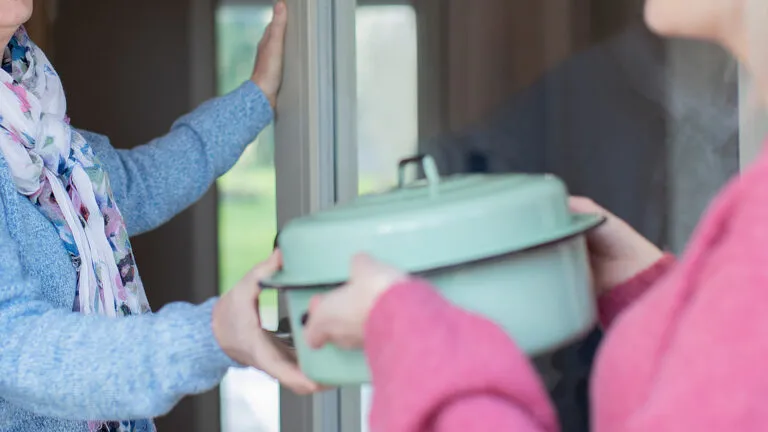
(9, 212)
(7, 191)
(93, 138)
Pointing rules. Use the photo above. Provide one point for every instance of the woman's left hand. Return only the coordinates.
(339, 316)
(268, 71)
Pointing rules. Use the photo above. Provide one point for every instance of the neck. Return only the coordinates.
(5, 36)
(751, 57)
(743, 35)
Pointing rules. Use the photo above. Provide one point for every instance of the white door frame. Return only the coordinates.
(316, 156)
(304, 151)
(316, 159)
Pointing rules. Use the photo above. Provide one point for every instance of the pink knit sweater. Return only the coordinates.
(684, 348)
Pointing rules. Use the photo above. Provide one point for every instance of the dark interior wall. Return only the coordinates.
(500, 48)
(475, 56)
(125, 66)
(609, 17)
(129, 69)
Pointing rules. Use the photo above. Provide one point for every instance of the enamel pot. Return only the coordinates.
(503, 246)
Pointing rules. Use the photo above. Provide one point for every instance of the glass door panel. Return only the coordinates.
(387, 103)
(247, 219)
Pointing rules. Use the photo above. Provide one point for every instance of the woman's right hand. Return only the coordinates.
(237, 328)
(268, 70)
(339, 316)
(617, 252)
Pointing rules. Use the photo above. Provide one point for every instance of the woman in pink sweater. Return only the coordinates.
(686, 343)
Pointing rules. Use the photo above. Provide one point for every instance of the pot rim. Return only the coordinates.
(583, 223)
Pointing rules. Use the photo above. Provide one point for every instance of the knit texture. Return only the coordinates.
(683, 352)
(44, 384)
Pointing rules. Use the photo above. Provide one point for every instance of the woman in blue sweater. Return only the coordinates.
(79, 348)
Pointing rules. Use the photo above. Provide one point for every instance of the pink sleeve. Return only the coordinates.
(437, 368)
(619, 298)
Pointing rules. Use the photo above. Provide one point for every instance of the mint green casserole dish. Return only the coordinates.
(503, 246)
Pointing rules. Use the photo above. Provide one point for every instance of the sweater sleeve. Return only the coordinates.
(58, 363)
(615, 301)
(155, 181)
(436, 367)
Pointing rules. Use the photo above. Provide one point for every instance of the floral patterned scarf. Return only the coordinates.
(55, 168)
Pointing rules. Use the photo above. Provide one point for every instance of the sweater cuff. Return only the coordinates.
(616, 300)
(200, 346)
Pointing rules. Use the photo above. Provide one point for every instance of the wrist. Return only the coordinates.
(642, 266)
(216, 325)
(221, 334)
(213, 339)
(272, 98)
(379, 289)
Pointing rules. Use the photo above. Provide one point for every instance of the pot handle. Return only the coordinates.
(429, 167)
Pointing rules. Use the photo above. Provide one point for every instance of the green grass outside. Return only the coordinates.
(247, 223)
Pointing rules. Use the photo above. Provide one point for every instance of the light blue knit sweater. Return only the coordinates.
(59, 368)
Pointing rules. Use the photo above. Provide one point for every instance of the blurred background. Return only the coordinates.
(580, 88)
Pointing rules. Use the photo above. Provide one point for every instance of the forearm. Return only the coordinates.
(154, 182)
(66, 365)
(425, 353)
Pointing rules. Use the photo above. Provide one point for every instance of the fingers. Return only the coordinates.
(585, 205)
(314, 332)
(361, 264)
(281, 365)
(290, 376)
(268, 70)
(314, 303)
(265, 37)
(280, 19)
(268, 267)
(318, 330)
(275, 31)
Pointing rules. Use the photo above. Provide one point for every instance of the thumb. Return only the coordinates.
(585, 205)
(317, 331)
(314, 302)
(268, 267)
(361, 265)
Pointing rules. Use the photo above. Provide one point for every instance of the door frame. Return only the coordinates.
(304, 150)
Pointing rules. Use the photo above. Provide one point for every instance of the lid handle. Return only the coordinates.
(429, 167)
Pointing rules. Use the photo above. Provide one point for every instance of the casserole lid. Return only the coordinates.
(432, 223)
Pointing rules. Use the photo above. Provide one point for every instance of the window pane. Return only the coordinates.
(387, 101)
(247, 224)
(386, 92)
(647, 127)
